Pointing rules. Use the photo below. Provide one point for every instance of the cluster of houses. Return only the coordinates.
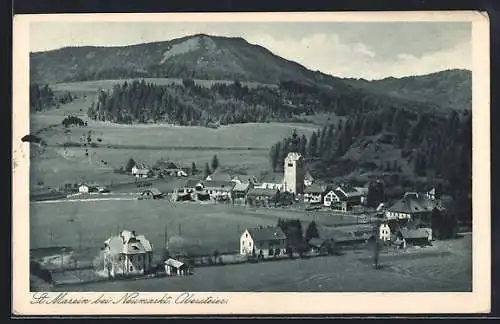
(161, 168)
(407, 222)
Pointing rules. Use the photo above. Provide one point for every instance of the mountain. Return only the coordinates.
(449, 89)
(233, 58)
(199, 57)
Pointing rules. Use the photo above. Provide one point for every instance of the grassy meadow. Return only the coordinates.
(243, 148)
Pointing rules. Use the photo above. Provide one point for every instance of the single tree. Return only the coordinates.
(207, 170)
(130, 164)
(193, 168)
(311, 231)
(215, 163)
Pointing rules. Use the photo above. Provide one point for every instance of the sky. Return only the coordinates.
(369, 50)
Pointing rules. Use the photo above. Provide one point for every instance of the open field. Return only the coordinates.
(206, 227)
(444, 267)
(243, 148)
(203, 228)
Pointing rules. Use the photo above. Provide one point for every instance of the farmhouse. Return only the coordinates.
(152, 193)
(263, 242)
(260, 197)
(127, 254)
(169, 168)
(253, 180)
(219, 190)
(313, 194)
(350, 235)
(141, 170)
(413, 207)
(417, 236)
(349, 194)
(318, 245)
(175, 268)
(219, 175)
(190, 186)
(240, 190)
(331, 197)
(86, 188)
(308, 179)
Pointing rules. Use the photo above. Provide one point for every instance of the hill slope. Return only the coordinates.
(222, 58)
(198, 56)
(449, 89)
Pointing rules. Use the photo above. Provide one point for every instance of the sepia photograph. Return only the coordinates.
(251, 154)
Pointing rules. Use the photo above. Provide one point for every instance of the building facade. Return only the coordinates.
(263, 242)
(127, 254)
(293, 180)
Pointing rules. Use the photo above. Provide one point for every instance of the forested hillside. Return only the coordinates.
(192, 104)
(407, 146)
(451, 89)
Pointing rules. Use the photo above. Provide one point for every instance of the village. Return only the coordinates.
(415, 220)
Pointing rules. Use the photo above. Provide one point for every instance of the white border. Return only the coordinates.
(477, 301)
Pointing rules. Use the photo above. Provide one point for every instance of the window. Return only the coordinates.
(131, 268)
(290, 164)
(246, 235)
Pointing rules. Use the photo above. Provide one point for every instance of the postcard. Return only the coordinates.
(251, 163)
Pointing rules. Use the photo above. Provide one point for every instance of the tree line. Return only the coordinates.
(42, 97)
(192, 104)
(435, 146)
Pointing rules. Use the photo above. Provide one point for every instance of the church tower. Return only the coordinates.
(293, 180)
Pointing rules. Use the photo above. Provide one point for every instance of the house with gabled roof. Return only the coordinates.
(413, 207)
(313, 194)
(127, 254)
(240, 190)
(219, 190)
(261, 196)
(219, 175)
(263, 242)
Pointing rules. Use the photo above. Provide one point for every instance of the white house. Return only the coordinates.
(313, 194)
(331, 197)
(263, 242)
(140, 170)
(127, 254)
(86, 188)
(385, 232)
(83, 188)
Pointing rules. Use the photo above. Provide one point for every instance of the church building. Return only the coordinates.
(293, 180)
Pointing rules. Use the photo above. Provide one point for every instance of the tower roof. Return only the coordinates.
(294, 143)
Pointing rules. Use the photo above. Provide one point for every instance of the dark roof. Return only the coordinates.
(261, 192)
(414, 203)
(314, 188)
(219, 175)
(141, 165)
(348, 189)
(340, 194)
(266, 233)
(154, 191)
(243, 187)
(316, 242)
(191, 183)
(166, 165)
(308, 176)
(414, 233)
(219, 184)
